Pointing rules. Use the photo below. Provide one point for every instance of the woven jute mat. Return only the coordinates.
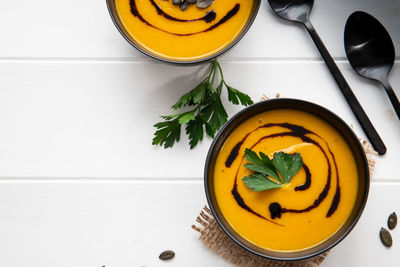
(217, 241)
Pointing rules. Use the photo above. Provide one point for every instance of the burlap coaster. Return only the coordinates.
(217, 241)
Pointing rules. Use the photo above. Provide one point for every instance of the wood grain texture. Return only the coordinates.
(123, 224)
(79, 119)
(80, 183)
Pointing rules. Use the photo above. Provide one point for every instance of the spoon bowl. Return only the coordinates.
(368, 46)
(293, 10)
(370, 51)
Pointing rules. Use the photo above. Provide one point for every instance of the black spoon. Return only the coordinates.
(370, 51)
(299, 11)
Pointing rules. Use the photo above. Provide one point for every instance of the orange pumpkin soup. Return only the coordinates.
(307, 211)
(164, 30)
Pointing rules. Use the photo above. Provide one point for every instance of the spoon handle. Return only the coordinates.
(358, 111)
(393, 98)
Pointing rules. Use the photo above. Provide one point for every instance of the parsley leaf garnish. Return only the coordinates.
(287, 164)
(269, 174)
(260, 164)
(208, 114)
(235, 96)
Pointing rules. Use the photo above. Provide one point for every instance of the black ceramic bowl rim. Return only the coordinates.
(118, 25)
(285, 103)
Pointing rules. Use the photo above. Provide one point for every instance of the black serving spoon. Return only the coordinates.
(370, 51)
(299, 11)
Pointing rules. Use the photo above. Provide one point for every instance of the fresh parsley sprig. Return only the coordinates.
(269, 174)
(208, 112)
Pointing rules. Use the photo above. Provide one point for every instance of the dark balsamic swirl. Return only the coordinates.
(275, 208)
(208, 17)
(307, 183)
(242, 204)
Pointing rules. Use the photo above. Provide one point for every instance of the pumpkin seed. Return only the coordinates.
(177, 2)
(184, 6)
(386, 237)
(191, 1)
(167, 255)
(204, 3)
(392, 221)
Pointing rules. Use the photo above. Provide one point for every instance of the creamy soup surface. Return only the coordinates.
(162, 28)
(319, 198)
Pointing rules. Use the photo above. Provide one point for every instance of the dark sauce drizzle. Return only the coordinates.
(275, 208)
(242, 204)
(234, 153)
(307, 183)
(336, 198)
(208, 17)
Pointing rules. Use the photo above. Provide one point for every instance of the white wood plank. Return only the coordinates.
(84, 29)
(77, 119)
(95, 224)
(128, 223)
(363, 246)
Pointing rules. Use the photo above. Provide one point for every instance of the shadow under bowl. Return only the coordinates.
(327, 116)
(112, 9)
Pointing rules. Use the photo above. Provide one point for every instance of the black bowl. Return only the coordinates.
(335, 122)
(117, 22)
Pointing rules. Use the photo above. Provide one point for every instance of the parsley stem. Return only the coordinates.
(212, 72)
(220, 72)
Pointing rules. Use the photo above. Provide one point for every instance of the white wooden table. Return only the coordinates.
(80, 183)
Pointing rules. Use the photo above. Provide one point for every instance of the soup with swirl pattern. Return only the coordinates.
(163, 29)
(307, 211)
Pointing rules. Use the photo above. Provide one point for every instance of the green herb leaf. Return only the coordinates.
(168, 133)
(235, 96)
(208, 113)
(259, 182)
(218, 115)
(186, 117)
(194, 130)
(286, 164)
(193, 97)
(200, 92)
(260, 164)
(170, 117)
(209, 130)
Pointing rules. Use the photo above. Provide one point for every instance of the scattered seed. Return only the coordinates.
(204, 3)
(392, 221)
(167, 255)
(184, 6)
(386, 237)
